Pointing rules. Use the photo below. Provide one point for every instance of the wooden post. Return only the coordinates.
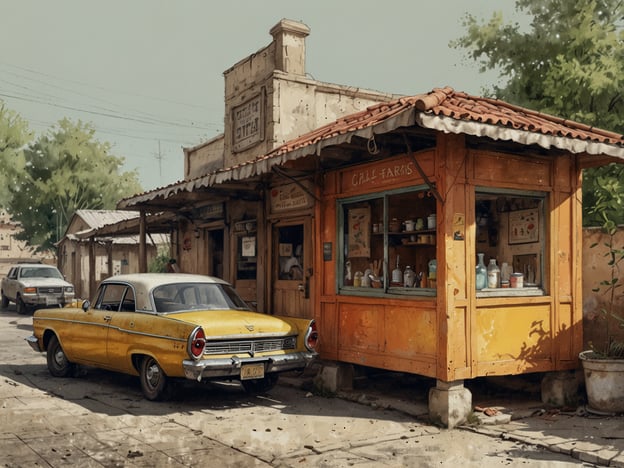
(142, 244)
(92, 283)
(110, 258)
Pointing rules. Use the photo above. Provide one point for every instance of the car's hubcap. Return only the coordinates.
(153, 375)
(59, 358)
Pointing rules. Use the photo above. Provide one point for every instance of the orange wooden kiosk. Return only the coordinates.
(422, 187)
(393, 207)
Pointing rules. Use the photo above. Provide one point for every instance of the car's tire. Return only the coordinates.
(5, 301)
(21, 306)
(58, 364)
(155, 384)
(257, 386)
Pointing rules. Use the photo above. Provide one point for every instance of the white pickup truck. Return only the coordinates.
(32, 286)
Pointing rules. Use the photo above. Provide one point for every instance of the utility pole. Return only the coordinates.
(159, 157)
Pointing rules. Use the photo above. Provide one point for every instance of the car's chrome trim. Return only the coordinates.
(251, 346)
(34, 343)
(247, 336)
(106, 325)
(230, 367)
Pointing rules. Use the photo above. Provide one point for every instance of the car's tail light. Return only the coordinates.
(196, 343)
(311, 336)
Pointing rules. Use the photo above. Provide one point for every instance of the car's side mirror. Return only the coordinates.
(86, 305)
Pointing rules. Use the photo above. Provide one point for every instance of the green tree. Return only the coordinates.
(64, 171)
(567, 61)
(14, 135)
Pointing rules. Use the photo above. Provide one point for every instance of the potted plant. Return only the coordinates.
(603, 366)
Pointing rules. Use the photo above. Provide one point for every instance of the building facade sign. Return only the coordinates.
(248, 123)
(211, 211)
(290, 197)
(378, 175)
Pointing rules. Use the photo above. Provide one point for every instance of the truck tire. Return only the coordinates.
(21, 306)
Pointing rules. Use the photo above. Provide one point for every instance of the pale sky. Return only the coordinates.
(149, 73)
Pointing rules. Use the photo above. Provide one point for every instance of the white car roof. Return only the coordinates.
(144, 283)
(149, 281)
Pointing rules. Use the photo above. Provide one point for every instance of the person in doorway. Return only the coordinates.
(172, 266)
(291, 268)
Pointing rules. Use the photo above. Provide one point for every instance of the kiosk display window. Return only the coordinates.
(510, 243)
(388, 243)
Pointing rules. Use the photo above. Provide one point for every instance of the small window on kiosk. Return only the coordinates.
(510, 234)
(387, 243)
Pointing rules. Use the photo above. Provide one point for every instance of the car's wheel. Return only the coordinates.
(5, 301)
(263, 385)
(58, 365)
(154, 382)
(21, 306)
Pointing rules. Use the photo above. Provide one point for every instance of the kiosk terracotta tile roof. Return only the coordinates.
(460, 106)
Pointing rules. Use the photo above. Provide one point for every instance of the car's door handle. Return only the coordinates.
(108, 318)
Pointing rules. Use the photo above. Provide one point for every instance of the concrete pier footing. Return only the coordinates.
(450, 403)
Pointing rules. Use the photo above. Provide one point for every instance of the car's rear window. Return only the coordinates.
(177, 297)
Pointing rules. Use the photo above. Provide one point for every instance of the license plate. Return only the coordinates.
(51, 300)
(252, 371)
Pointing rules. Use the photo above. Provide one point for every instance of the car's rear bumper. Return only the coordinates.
(231, 367)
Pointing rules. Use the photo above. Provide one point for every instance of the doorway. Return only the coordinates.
(292, 268)
(214, 253)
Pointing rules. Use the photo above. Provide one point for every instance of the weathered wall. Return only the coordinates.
(596, 269)
(74, 262)
(203, 158)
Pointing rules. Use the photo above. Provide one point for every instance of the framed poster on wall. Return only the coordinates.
(359, 232)
(524, 226)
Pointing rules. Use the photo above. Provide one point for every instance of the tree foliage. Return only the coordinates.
(14, 135)
(568, 61)
(64, 171)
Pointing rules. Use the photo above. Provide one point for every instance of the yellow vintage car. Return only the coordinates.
(163, 327)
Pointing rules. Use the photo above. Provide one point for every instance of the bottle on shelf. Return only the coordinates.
(397, 274)
(433, 269)
(481, 273)
(408, 277)
(493, 274)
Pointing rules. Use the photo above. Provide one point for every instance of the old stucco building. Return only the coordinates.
(13, 250)
(86, 258)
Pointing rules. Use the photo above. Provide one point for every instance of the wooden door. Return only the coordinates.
(291, 266)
